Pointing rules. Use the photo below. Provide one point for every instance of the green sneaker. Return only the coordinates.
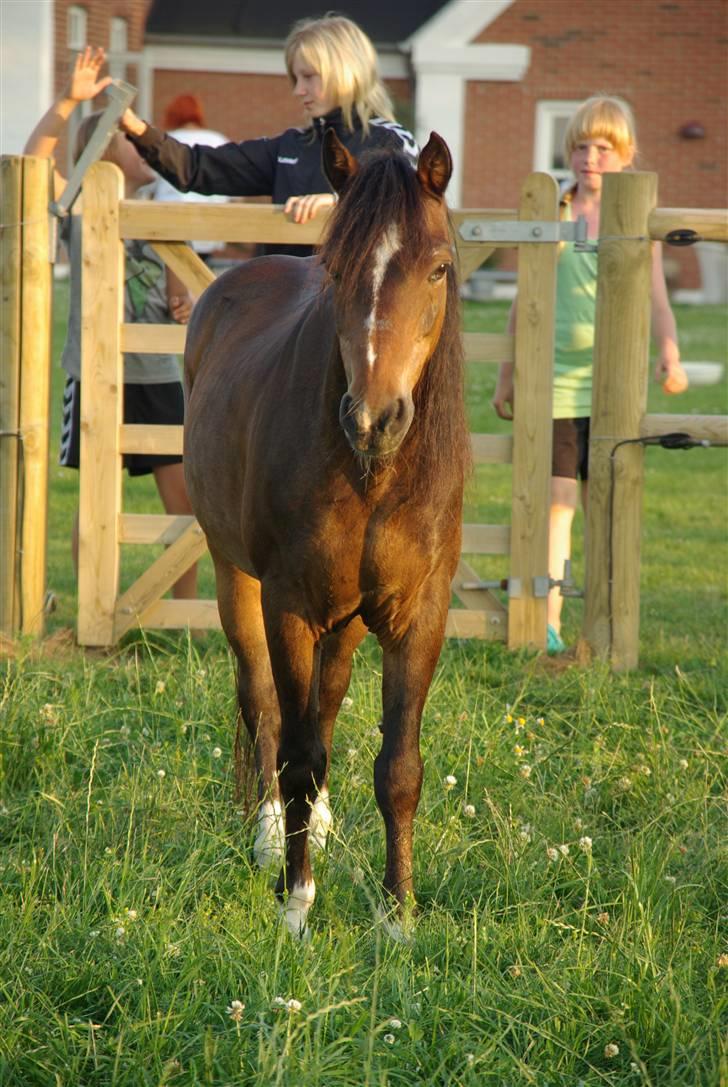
(554, 644)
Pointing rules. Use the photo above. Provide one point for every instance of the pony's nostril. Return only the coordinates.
(401, 409)
(345, 408)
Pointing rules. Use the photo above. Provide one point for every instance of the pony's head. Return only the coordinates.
(388, 254)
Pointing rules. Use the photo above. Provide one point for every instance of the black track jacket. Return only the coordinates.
(276, 166)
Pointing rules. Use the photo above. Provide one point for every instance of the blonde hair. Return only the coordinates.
(346, 60)
(604, 116)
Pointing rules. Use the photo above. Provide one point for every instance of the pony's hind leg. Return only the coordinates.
(336, 656)
(238, 597)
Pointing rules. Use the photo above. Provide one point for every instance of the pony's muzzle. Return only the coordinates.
(375, 433)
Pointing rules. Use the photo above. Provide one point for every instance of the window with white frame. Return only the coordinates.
(118, 43)
(76, 27)
(552, 119)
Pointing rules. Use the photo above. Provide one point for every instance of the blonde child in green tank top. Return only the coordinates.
(599, 139)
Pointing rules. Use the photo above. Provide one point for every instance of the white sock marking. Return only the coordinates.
(270, 840)
(319, 822)
(299, 902)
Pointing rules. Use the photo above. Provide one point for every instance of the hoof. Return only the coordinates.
(270, 841)
(397, 924)
(319, 821)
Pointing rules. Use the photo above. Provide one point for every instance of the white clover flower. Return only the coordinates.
(216, 752)
(514, 970)
(525, 832)
(161, 687)
(389, 1039)
(525, 770)
(722, 960)
(49, 713)
(470, 1058)
(625, 783)
(395, 1024)
(603, 918)
(450, 781)
(120, 932)
(161, 774)
(564, 850)
(235, 1010)
(644, 769)
(469, 810)
(611, 1050)
(683, 764)
(132, 915)
(585, 844)
(294, 1005)
(278, 1002)
(670, 879)
(347, 702)
(552, 854)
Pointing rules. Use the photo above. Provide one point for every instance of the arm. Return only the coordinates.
(84, 84)
(664, 332)
(232, 169)
(179, 299)
(503, 397)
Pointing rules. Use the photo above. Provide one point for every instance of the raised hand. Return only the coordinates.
(84, 83)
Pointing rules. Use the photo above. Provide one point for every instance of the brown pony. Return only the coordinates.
(325, 451)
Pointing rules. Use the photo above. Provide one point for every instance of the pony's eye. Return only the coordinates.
(439, 272)
(335, 277)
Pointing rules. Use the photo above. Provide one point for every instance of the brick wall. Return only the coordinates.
(667, 59)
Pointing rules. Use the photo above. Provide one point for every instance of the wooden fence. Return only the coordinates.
(25, 344)
(630, 221)
(104, 615)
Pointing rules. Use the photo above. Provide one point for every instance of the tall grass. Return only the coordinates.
(571, 883)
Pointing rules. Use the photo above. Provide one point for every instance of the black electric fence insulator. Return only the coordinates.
(682, 236)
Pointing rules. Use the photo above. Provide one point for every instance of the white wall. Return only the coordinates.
(26, 69)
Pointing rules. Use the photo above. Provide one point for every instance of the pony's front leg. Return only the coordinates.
(408, 668)
(295, 657)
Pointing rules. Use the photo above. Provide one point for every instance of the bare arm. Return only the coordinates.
(179, 299)
(84, 84)
(503, 397)
(668, 368)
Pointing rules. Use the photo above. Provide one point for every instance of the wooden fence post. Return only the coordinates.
(619, 398)
(102, 382)
(11, 195)
(35, 389)
(533, 385)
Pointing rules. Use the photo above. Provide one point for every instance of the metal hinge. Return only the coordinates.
(516, 232)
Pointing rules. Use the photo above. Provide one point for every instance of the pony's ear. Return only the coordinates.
(337, 163)
(434, 167)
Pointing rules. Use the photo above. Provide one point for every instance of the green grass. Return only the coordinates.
(131, 916)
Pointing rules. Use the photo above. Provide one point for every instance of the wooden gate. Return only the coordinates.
(104, 615)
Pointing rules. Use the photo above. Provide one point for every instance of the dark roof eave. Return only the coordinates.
(401, 48)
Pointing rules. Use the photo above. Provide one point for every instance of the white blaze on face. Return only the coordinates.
(388, 246)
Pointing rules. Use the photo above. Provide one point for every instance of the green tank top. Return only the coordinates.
(576, 293)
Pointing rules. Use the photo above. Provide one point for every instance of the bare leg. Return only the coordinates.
(238, 597)
(170, 482)
(564, 497)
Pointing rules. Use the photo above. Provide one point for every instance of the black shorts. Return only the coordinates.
(570, 449)
(161, 403)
